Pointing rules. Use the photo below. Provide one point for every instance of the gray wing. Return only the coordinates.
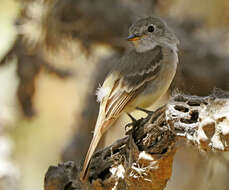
(138, 68)
(131, 80)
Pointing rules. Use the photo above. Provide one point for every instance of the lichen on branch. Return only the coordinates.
(143, 159)
(204, 121)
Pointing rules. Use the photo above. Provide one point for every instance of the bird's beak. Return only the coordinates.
(133, 37)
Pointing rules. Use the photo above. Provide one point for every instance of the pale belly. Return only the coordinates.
(155, 89)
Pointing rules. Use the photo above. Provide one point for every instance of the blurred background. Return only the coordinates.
(55, 53)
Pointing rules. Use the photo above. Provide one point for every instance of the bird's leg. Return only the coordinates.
(133, 123)
(144, 110)
(132, 118)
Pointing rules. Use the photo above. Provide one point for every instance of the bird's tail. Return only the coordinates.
(101, 127)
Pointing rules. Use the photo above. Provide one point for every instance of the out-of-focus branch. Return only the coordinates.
(143, 159)
(29, 64)
(54, 28)
(202, 65)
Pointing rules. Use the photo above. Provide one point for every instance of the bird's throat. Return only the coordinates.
(143, 45)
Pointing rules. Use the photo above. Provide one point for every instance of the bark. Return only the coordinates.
(144, 158)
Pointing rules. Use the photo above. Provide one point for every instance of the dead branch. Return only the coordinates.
(143, 159)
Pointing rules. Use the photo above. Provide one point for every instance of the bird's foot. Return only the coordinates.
(132, 124)
(144, 110)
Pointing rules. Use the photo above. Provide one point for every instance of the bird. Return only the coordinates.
(141, 76)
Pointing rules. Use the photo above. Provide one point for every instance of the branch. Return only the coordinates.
(143, 159)
(203, 121)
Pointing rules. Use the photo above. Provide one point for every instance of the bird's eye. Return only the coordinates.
(151, 29)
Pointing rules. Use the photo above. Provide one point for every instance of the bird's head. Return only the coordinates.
(150, 32)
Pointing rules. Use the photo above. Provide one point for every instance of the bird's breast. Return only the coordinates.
(159, 86)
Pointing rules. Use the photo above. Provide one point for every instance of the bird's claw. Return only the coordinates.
(133, 123)
(144, 110)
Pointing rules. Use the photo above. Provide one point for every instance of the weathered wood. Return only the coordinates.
(144, 158)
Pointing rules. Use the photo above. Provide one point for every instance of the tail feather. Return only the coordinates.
(99, 130)
(90, 152)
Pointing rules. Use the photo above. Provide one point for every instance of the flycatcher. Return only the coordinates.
(140, 77)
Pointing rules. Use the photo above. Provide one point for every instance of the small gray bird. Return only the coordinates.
(139, 79)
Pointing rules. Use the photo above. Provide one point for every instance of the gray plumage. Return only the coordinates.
(139, 79)
(143, 66)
